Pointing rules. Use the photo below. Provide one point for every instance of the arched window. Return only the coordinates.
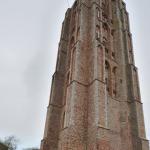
(106, 65)
(113, 54)
(114, 81)
(97, 32)
(107, 76)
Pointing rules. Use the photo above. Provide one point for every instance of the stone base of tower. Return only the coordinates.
(100, 138)
(72, 139)
(48, 145)
(105, 139)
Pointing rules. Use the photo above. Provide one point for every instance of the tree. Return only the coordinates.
(11, 142)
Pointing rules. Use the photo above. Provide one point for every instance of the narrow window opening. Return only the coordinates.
(107, 89)
(113, 55)
(97, 31)
(114, 82)
(106, 81)
(98, 12)
(106, 50)
(63, 120)
(114, 93)
(68, 78)
(78, 32)
(112, 33)
(106, 65)
(107, 76)
(121, 81)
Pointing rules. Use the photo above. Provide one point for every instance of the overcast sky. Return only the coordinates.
(29, 36)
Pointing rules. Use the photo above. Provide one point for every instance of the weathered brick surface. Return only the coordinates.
(95, 101)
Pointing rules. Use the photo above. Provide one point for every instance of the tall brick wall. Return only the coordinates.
(95, 101)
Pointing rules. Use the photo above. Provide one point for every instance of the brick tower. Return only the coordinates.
(95, 101)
